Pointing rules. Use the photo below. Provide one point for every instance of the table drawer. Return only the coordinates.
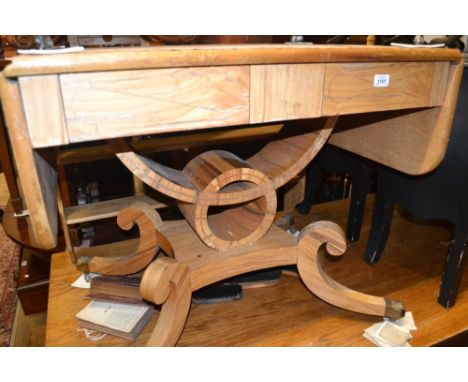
(284, 92)
(135, 102)
(366, 87)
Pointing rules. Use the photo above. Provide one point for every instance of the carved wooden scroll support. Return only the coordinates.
(330, 235)
(170, 282)
(130, 256)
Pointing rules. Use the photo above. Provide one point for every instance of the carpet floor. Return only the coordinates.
(9, 264)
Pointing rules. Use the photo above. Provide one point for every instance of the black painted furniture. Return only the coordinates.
(334, 160)
(441, 194)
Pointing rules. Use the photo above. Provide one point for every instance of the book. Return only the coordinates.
(119, 289)
(121, 320)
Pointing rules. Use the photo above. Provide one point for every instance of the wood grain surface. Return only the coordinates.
(310, 267)
(217, 171)
(350, 88)
(43, 107)
(280, 160)
(209, 55)
(167, 282)
(127, 103)
(149, 223)
(282, 92)
(287, 314)
(38, 179)
(184, 88)
(208, 266)
(411, 141)
(180, 141)
(105, 209)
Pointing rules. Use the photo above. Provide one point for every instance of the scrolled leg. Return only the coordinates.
(167, 282)
(312, 273)
(148, 221)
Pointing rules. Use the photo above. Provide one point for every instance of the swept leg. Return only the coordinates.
(167, 282)
(311, 271)
(148, 221)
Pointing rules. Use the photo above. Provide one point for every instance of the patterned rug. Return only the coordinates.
(9, 263)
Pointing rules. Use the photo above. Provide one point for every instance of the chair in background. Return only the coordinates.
(334, 160)
(441, 194)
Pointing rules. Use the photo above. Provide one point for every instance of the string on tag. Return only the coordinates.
(92, 335)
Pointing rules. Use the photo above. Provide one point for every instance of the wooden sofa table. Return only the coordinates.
(392, 105)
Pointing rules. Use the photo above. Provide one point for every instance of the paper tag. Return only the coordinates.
(381, 80)
(81, 281)
(407, 321)
(22, 214)
(376, 342)
(393, 334)
(72, 49)
(423, 46)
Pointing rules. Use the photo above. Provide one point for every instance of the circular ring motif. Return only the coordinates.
(240, 225)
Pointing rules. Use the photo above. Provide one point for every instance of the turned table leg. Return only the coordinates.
(312, 238)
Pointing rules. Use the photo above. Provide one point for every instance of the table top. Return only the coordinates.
(287, 314)
(103, 59)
